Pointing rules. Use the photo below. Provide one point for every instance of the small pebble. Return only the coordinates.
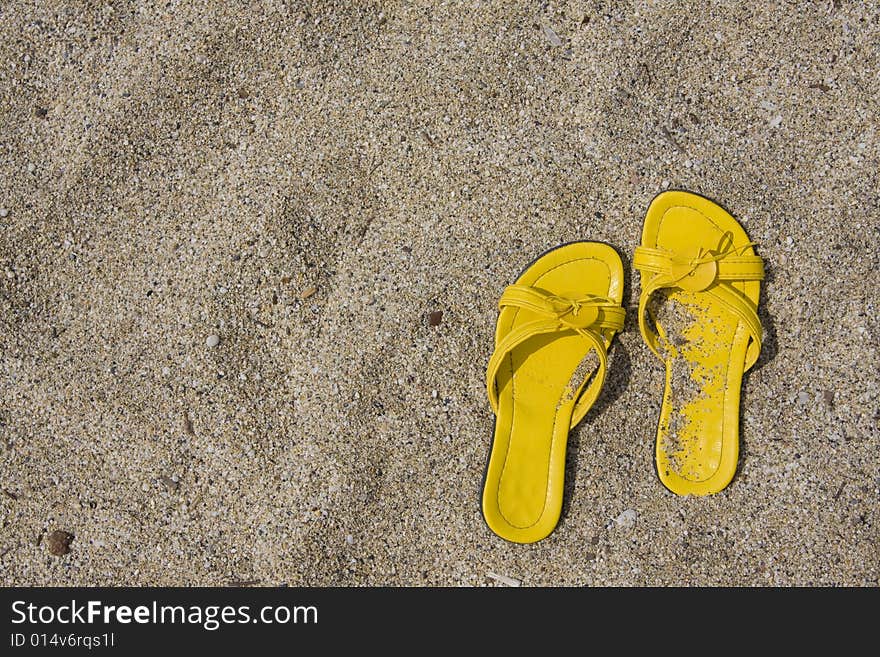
(305, 294)
(188, 425)
(435, 318)
(212, 340)
(171, 485)
(31, 167)
(3, 212)
(58, 542)
(504, 579)
(626, 519)
(551, 36)
(803, 398)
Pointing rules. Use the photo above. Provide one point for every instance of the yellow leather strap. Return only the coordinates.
(705, 271)
(588, 316)
(729, 268)
(610, 315)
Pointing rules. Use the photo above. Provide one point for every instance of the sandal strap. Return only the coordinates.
(709, 271)
(730, 268)
(588, 316)
(610, 314)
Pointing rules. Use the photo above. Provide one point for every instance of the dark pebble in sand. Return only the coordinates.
(59, 542)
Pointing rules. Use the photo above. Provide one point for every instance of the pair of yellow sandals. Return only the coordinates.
(554, 329)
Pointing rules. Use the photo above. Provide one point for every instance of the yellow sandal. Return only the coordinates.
(564, 307)
(700, 282)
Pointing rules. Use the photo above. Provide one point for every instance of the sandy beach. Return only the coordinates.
(251, 255)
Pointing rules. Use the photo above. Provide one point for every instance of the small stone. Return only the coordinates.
(504, 579)
(349, 539)
(305, 294)
(828, 397)
(626, 519)
(59, 542)
(435, 318)
(803, 398)
(31, 167)
(3, 213)
(170, 485)
(551, 36)
(212, 340)
(775, 121)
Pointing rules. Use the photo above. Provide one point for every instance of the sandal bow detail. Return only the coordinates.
(711, 271)
(593, 317)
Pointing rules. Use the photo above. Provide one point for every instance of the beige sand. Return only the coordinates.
(309, 181)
